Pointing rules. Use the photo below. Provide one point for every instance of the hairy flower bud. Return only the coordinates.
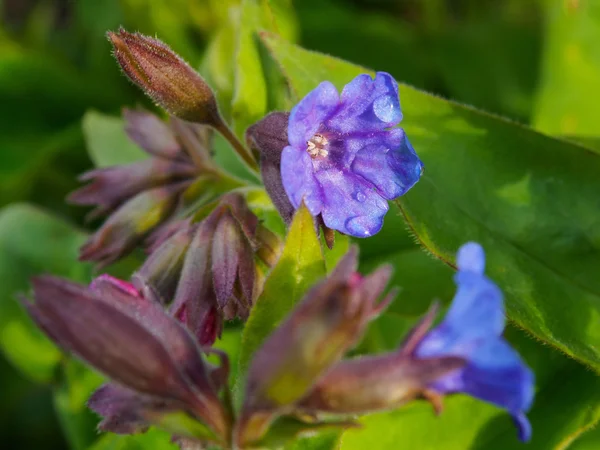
(165, 77)
(329, 321)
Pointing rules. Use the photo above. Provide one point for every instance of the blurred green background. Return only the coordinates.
(534, 61)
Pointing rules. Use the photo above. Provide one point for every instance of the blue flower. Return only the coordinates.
(343, 159)
(472, 329)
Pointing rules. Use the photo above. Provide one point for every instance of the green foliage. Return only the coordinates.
(154, 439)
(536, 220)
(106, 141)
(568, 98)
(32, 242)
(71, 394)
(299, 267)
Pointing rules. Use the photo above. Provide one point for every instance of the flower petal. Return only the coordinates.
(299, 180)
(368, 105)
(350, 204)
(392, 170)
(471, 258)
(496, 374)
(307, 116)
(477, 312)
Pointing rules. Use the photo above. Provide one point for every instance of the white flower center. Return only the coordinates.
(317, 146)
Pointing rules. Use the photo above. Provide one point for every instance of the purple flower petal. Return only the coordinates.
(343, 161)
(308, 115)
(350, 204)
(392, 170)
(299, 180)
(368, 105)
(472, 329)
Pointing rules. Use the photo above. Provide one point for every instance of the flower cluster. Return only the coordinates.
(160, 378)
(141, 197)
(340, 156)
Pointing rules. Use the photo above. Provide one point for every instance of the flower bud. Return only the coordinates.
(130, 223)
(194, 303)
(111, 186)
(130, 339)
(329, 321)
(152, 134)
(161, 271)
(165, 77)
(269, 137)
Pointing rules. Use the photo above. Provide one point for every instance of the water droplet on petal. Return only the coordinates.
(360, 196)
(387, 109)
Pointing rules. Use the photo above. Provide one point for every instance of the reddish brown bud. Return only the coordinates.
(165, 77)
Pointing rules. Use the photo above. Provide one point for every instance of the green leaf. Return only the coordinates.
(249, 102)
(153, 439)
(486, 181)
(569, 96)
(70, 401)
(299, 267)
(107, 142)
(33, 242)
(588, 440)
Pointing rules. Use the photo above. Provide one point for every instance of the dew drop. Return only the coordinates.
(360, 196)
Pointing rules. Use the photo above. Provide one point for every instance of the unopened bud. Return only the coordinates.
(111, 186)
(130, 223)
(162, 269)
(165, 77)
(151, 133)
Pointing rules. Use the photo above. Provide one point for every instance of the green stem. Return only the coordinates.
(244, 153)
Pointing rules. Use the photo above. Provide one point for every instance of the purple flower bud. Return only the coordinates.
(161, 271)
(152, 134)
(130, 223)
(472, 330)
(165, 77)
(343, 160)
(131, 340)
(330, 320)
(109, 187)
(125, 411)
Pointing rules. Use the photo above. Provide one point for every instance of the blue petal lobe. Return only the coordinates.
(311, 112)
(350, 204)
(367, 105)
(299, 180)
(471, 257)
(523, 426)
(392, 170)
